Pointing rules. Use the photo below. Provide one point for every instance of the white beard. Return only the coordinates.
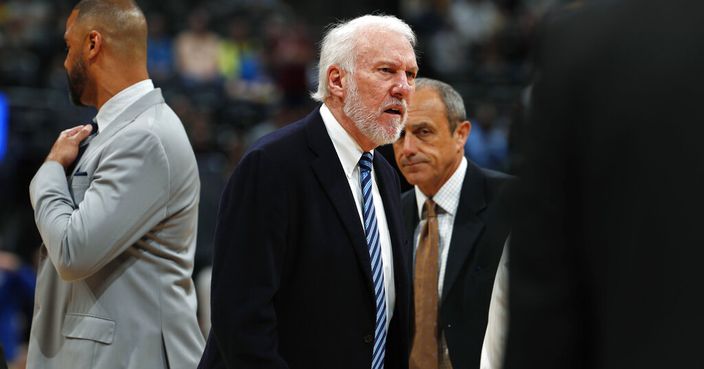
(366, 119)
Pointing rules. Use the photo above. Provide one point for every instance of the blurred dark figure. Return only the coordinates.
(17, 283)
(160, 53)
(3, 364)
(196, 51)
(488, 144)
(606, 253)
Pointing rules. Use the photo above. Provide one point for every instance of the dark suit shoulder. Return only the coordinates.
(496, 178)
(283, 139)
(286, 148)
(408, 195)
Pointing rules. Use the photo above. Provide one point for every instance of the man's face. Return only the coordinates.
(427, 152)
(377, 92)
(74, 65)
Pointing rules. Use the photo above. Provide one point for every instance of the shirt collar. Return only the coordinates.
(121, 101)
(348, 150)
(448, 196)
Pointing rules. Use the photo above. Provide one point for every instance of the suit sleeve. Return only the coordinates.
(126, 198)
(249, 247)
(496, 328)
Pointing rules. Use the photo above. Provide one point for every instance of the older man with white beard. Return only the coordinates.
(310, 267)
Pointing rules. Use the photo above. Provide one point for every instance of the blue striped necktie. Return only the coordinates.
(374, 243)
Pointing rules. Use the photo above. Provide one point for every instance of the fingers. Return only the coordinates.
(72, 131)
(78, 130)
(83, 133)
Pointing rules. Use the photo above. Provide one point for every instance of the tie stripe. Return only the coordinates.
(372, 233)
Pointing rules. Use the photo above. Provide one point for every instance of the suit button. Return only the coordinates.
(369, 338)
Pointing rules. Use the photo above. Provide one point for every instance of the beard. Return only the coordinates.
(367, 119)
(77, 82)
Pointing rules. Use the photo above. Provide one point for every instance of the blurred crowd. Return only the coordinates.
(234, 71)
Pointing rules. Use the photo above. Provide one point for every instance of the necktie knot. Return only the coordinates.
(365, 162)
(94, 124)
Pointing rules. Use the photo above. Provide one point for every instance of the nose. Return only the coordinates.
(402, 87)
(408, 145)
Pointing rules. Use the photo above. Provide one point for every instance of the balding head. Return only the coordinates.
(121, 24)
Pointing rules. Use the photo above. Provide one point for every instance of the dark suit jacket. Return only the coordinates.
(607, 251)
(292, 284)
(478, 236)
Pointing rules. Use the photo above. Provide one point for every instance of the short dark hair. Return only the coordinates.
(122, 23)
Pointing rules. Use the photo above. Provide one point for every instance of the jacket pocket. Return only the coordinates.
(79, 185)
(88, 327)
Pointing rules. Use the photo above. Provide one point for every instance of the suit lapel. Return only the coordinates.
(328, 170)
(133, 111)
(468, 225)
(410, 221)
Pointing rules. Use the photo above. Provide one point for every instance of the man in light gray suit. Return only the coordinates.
(117, 212)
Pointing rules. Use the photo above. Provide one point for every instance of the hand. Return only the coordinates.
(65, 148)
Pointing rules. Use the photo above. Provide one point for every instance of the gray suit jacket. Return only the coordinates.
(114, 286)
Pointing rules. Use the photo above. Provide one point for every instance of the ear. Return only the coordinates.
(462, 132)
(336, 81)
(95, 44)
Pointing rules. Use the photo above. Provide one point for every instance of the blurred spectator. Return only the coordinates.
(160, 59)
(475, 20)
(24, 22)
(196, 51)
(236, 57)
(487, 144)
(241, 65)
(17, 282)
(291, 56)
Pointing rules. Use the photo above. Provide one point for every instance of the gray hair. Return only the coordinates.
(454, 105)
(340, 44)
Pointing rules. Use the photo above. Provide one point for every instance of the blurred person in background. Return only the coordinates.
(17, 283)
(310, 269)
(196, 51)
(606, 250)
(488, 144)
(116, 205)
(457, 230)
(160, 53)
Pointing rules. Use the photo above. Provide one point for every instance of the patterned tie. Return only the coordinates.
(374, 244)
(424, 353)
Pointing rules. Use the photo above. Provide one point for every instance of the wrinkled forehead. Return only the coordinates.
(375, 45)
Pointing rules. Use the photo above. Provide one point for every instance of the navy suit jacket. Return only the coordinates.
(478, 237)
(292, 284)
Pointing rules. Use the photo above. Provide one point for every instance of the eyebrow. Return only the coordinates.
(421, 124)
(396, 64)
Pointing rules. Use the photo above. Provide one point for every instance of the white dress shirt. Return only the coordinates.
(494, 344)
(349, 152)
(121, 101)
